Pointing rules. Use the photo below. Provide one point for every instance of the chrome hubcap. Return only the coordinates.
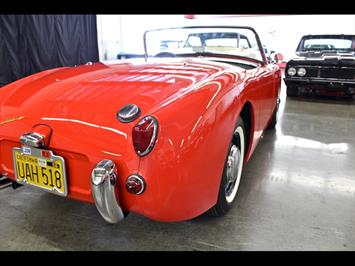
(233, 164)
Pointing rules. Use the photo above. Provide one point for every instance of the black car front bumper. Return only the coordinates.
(320, 83)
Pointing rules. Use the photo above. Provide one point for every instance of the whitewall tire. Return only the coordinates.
(232, 172)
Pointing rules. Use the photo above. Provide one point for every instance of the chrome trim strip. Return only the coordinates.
(322, 67)
(322, 80)
(104, 192)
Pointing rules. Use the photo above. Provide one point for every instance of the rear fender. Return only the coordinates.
(184, 170)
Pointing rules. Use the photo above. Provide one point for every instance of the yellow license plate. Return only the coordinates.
(40, 168)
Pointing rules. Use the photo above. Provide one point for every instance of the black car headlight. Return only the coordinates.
(301, 71)
(291, 71)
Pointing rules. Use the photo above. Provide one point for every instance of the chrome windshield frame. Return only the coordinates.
(263, 56)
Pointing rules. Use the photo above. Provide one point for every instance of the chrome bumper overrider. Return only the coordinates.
(103, 182)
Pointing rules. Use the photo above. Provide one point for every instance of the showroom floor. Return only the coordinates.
(297, 193)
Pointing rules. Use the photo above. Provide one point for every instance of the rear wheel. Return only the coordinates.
(292, 91)
(231, 173)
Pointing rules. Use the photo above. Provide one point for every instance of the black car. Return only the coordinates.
(323, 63)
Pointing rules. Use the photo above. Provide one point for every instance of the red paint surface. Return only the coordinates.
(196, 103)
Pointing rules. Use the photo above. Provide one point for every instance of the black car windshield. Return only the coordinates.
(324, 44)
(241, 42)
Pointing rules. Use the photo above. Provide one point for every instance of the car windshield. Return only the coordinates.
(325, 44)
(239, 42)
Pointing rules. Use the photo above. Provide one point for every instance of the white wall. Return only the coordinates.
(124, 33)
(109, 34)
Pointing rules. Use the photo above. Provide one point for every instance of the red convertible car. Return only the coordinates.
(165, 136)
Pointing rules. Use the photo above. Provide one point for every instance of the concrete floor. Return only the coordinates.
(297, 193)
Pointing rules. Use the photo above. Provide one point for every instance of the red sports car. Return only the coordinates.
(165, 136)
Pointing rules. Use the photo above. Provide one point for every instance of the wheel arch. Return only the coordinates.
(248, 115)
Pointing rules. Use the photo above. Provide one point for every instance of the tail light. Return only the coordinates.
(135, 184)
(144, 135)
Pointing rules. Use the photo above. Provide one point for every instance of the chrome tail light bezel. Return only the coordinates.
(135, 178)
(153, 139)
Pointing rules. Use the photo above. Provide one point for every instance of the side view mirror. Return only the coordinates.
(278, 57)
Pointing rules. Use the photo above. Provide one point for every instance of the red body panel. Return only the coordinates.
(196, 103)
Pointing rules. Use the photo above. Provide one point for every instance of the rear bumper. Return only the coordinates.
(103, 191)
(170, 193)
(104, 194)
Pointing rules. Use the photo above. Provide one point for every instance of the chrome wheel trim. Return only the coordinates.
(235, 162)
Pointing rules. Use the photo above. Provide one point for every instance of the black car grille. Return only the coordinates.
(329, 72)
(312, 72)
(346, 73)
